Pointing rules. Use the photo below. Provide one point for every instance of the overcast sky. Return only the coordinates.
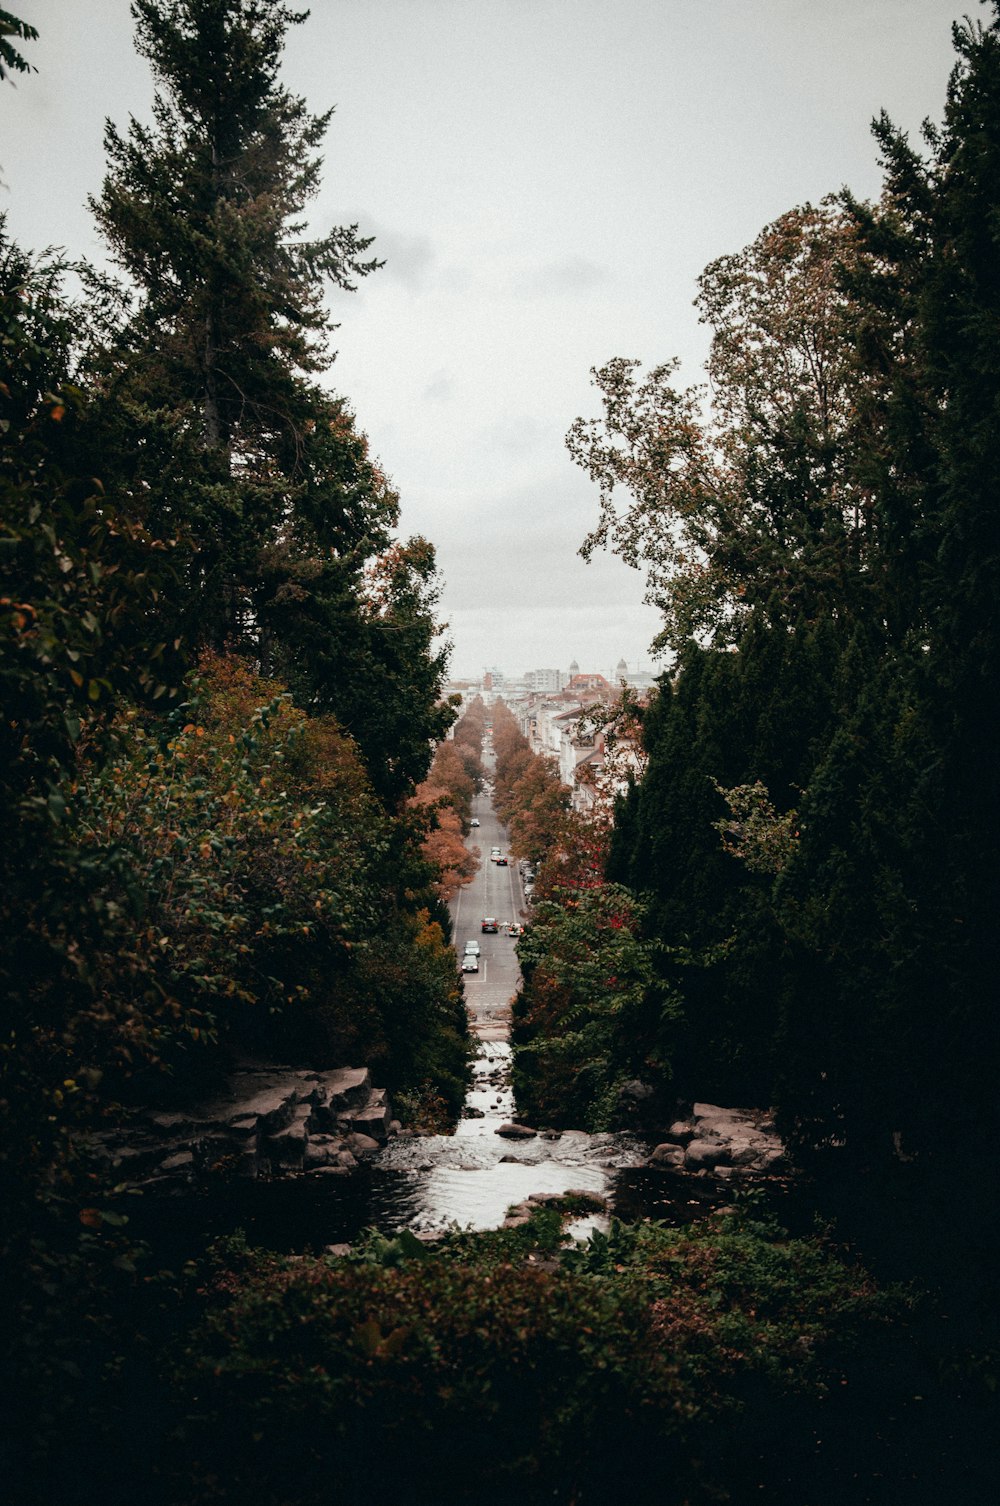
(545, 179)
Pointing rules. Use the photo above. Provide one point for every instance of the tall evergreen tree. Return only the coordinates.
(203, 211)
(214, 410)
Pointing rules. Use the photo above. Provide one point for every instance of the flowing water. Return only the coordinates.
(472, 1177)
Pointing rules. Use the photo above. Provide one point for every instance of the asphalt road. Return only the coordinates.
(497, 892)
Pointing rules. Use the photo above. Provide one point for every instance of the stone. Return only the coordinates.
(666, 1155)
(358, 1142)
(704, 1155)
(682, 1130)
(182, 1160)
(514, 1161)
(341, 1091)
(372, 1121)
(346, 1160)
(338, 1250)
(512, 1131)
(168, 1121)
(288, 1146)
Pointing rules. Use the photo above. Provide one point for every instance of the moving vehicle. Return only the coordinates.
(501, 861)
(470, 964)
(474, 821)
(472, 948)
(489, 923)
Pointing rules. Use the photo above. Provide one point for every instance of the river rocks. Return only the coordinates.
(511, 1131)
(705, 1155)
(520, 1213)
(267, 1121)
(666, 1155)
(721, 1141)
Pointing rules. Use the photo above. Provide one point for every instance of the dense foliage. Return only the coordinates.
(221, 678)
(590, 1000)
(664, 1362)
(815, 834)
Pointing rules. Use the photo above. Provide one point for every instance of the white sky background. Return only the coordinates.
(546, 179)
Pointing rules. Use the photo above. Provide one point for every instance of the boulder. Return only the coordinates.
(666, 1155)
(288, 1146)
(362, 1144)
(320, 1151)
(373, 1120)
(512, 1131)
(704, 1155)
(332, 1094)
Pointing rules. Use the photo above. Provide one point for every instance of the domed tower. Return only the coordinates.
(574, 669)
(621, 671)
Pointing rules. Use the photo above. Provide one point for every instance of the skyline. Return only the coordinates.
(545, 180)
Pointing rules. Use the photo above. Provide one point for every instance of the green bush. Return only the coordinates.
(493, 1361)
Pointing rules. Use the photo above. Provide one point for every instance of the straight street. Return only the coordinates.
(494, 891)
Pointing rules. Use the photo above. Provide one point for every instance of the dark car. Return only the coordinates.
(502, 861)
(489, 923)
(470, 964)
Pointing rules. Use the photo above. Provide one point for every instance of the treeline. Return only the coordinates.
(815, 837)
(446, 795)
(590, 991)
(220, 669)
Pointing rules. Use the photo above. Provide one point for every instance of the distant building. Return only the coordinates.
(580, 683)
(544, 680)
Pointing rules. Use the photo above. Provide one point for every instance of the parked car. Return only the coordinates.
(470, 964)
(472, 948)
(489, 923)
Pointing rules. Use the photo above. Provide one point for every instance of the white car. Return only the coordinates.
(472, 948)
(474, 821)
(470, 964)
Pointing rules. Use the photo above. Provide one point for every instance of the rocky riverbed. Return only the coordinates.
(268, 1121)
(331, 1135)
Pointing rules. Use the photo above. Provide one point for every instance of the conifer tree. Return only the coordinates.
(203, 210)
